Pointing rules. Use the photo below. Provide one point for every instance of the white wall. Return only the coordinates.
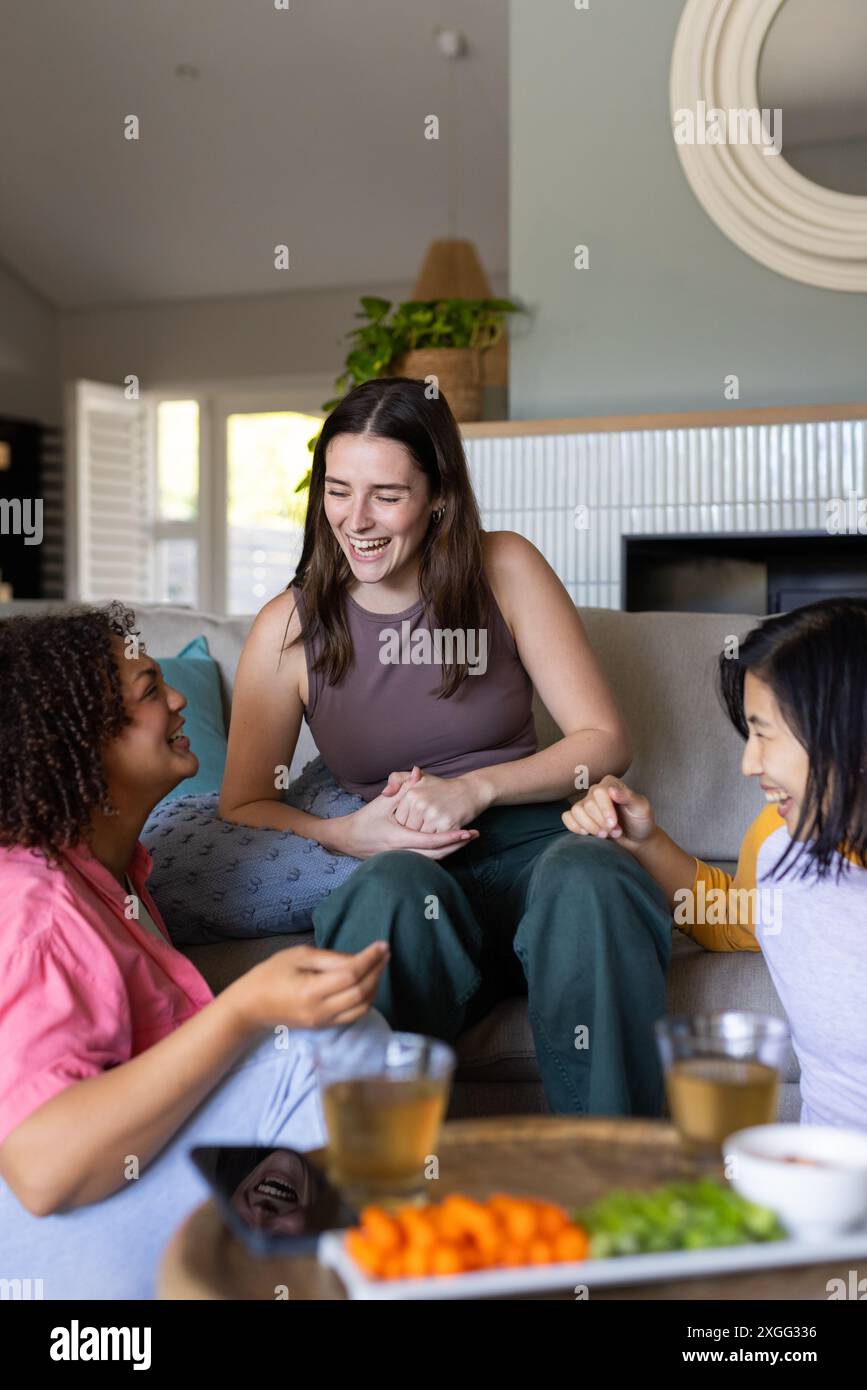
(29, 374)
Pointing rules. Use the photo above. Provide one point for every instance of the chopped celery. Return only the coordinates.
(680, 1216)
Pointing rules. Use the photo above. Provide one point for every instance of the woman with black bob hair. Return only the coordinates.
(796, 691)
(814, 661)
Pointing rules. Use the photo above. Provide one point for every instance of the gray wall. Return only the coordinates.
(669, 306)
(239, 340)
(243, 338)
(29, 383)
(214, 339)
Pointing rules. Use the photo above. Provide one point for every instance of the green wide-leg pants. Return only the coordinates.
(574, 923)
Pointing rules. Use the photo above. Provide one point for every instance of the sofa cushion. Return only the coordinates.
(214, 879)
(662, 669)
(196, 675)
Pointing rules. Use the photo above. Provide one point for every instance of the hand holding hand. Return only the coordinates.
(612, 810)
(398, 779)
(375, 827)
(426, 802)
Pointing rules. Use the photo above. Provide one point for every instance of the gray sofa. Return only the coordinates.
(661, 667)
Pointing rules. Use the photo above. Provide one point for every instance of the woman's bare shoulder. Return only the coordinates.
(280, 616)
(511, 562)
(272, 648)
(509, 554)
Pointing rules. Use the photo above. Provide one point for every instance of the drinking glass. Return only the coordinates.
(722, 1073)
(384, 1121)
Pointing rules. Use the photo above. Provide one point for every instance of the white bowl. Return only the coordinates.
(811, 1202)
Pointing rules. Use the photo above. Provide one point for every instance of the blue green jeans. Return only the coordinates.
(528, 908)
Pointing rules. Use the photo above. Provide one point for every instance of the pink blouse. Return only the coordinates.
(83, 987)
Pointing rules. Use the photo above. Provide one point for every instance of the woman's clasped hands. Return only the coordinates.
(415, 810)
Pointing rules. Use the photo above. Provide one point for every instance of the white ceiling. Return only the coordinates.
(304, 127)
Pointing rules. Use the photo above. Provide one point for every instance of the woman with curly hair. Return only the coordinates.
(115, 1057)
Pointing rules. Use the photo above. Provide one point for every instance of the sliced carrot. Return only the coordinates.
(552, 1219)
(364, 1253)
(473, 1256)
(484, 1232)
(456, 1217)
(460, 1234)
(417, 1262)
(417, 1227)
(511, 1255)
(539, 1252)
(381, 1230)
(393, 1267)
(519, 1218)
(445, 1259)
(571, 1244)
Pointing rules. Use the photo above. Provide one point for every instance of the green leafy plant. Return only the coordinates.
(416, 323)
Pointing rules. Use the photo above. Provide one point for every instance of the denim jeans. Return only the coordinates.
(111, 1249)
(528, 908)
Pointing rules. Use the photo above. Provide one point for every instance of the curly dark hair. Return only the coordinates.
(61, 702)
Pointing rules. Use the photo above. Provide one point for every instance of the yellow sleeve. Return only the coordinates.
(719, 910)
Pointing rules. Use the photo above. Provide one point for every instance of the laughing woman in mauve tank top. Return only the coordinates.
(411, 641)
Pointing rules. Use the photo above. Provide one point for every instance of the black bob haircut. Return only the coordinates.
(814, 659)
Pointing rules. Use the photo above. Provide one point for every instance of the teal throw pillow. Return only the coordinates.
(194, 672)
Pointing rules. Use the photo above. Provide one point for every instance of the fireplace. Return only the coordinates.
(740, 573)
(745, 509)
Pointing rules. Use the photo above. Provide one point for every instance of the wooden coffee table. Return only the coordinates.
(565, 1159)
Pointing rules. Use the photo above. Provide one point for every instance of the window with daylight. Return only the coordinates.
(188, 499)
(267, 457)
(176, 540)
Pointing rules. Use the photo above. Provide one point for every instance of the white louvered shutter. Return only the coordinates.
(115, 490)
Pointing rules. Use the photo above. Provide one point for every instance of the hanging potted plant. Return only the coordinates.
(445, 338)
(441, 338)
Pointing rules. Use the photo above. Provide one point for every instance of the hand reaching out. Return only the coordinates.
(612, 810)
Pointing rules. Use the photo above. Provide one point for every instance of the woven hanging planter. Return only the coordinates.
(457, 370)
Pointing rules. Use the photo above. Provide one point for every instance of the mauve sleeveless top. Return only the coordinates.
(384, 715)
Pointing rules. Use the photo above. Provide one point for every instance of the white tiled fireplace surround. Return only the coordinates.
(767, 479)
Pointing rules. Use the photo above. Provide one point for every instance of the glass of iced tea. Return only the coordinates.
(722, 1073)
(384, 1123)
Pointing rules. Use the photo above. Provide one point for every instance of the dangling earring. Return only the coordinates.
(437, 517)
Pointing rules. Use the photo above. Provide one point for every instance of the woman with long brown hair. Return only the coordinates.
(411, 640)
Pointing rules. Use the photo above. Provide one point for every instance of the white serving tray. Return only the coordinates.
(621, 1269)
